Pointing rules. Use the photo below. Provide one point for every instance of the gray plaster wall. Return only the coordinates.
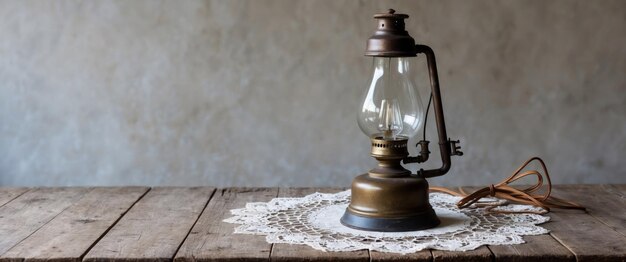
(264, 93)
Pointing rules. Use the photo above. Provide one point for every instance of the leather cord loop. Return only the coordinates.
(528, 195)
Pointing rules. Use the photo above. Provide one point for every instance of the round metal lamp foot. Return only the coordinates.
(425, 220)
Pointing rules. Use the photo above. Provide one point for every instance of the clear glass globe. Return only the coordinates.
(392, 107)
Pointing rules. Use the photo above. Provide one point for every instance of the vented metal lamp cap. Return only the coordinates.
(390, 39)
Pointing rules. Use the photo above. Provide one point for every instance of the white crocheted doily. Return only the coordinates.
(314, 220)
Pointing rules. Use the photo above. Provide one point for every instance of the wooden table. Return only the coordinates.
(185, 224)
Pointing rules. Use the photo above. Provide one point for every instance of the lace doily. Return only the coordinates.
(314, 220)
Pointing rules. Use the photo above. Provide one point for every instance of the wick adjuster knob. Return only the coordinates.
(422, 157)
(454, 145)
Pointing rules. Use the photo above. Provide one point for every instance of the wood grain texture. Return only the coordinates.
(583, 234)
(619, 189)
(69, 235)
(211, 239)
(287, 252)
(536, 248)
(607, 207)
(30, 211)
(9, 193)
(61, 224)
(424, 255)
(476, 255)
(586, 237)
(154, 228)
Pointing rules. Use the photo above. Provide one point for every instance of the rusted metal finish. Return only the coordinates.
(444, 143)
(389, 197)
(390, 39)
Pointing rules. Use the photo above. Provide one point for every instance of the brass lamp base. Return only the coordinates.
(425, 220)
(388, 198)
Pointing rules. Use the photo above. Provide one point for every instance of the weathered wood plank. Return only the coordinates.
(70, 234)
(154, 228)
(585, 236)
(30, 211)
(619, 189)
(7, 194)
(211, 239)
(423, 255)
(479, 254)
(536, 248)
(607, 207)
(59, 223)
(286, 252)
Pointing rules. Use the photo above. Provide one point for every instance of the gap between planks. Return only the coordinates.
(78, 227)
(194, 224)
(606, 206)
(437, 255)
(155, 227)
(211, 239)
(8, 194)
(112, 225)
(31, 211)
(594, 235)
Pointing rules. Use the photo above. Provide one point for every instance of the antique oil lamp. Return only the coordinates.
(389, 197)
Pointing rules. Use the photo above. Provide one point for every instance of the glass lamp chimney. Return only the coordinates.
(391, 107)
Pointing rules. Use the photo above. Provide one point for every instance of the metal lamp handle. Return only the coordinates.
(444, 143)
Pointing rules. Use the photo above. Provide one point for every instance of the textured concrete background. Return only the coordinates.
(264, 93)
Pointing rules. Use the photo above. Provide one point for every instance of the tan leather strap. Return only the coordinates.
(528, 195)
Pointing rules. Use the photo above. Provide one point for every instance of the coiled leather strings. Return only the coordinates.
(529, 195)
